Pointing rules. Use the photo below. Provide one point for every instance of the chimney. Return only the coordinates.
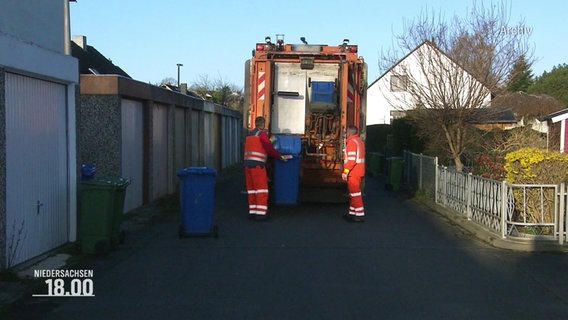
(183, 88)
(81, 41)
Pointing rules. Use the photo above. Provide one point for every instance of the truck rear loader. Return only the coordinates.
(312, 92)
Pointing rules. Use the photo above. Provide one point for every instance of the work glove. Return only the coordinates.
(285, 157)
(344, 176)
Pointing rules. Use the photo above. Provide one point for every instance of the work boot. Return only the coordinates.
(353, 218)
(262, 217)
(357, 219)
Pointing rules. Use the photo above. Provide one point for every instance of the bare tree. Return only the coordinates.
(203, 86)
(169, 81)
(456, 65)
(219, 91)
(504, 142)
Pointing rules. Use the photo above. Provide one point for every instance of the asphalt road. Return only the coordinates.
(404, 262)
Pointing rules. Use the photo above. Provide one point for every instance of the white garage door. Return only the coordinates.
(37, 190)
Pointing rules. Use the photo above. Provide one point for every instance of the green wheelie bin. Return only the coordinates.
(100, 218)
(374, 164)
(395, 174)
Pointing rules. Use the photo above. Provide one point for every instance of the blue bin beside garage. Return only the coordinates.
(197, 201)
(286, 179)
(88, 171)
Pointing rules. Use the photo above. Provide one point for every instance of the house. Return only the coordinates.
(528, 109)
(496, 119)
(558, 135)
(91, 61)
(38, 80)
(389, 96)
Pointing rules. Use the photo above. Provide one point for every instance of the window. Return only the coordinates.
(398, 83)
(397, 114)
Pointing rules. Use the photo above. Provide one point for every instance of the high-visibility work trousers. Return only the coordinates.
(355, 197)
(257, 190)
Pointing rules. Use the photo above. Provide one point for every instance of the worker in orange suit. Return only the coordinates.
(257, 149)
(353, 172)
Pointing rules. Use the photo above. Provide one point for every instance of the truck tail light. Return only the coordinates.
(262, 47)
(352, 49)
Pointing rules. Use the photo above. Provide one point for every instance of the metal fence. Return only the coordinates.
(420, 172)
(516, 211)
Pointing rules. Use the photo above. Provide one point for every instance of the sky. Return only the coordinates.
(214, 38)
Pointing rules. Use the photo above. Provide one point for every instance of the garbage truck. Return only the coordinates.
(310, 92)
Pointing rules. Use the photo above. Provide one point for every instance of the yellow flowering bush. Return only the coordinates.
(535, 166)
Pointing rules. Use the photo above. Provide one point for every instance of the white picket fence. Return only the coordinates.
(515, 211)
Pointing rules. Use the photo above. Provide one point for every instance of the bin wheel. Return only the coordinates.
(215, 232)
(102, 247)
(122, 237)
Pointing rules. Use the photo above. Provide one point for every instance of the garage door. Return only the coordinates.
(37, 189)
(133, 152)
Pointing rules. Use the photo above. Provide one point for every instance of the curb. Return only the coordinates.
(491, 238)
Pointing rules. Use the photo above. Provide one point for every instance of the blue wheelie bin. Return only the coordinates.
(197, 202)
(287, 173)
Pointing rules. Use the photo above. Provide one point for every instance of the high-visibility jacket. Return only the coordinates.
(258, 148)
(254, 151)
(354, 156)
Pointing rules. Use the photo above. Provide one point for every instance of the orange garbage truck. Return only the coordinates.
(308, 94)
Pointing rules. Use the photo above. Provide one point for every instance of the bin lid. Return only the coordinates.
(195, 171)
(288, 144)
(113, 182)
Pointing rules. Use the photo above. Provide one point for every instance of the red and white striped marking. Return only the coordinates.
(261, 85)
(350, 89)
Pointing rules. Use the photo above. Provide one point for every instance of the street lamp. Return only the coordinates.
(179, 65)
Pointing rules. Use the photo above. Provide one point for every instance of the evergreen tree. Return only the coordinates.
(521, 76)
(553, 83)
